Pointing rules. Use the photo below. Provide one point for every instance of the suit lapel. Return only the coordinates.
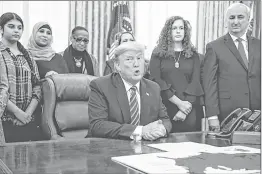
(250, 52)
(122, 97)
(231, 45)
(145, 101)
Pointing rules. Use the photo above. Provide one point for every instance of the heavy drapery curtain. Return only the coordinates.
(210, 22)
(95, 16)
(257, 19)
(152, 15)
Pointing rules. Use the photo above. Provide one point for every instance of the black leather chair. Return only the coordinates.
(65, 105)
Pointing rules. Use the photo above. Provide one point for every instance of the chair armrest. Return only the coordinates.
(49, 99)
(57, 137)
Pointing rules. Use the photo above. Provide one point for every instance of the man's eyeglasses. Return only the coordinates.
(80, 39)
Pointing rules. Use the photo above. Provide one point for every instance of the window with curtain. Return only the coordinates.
(151, 17)
(56, 13)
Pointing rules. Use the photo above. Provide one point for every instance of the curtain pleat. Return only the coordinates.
(211, 22)
(257, 18)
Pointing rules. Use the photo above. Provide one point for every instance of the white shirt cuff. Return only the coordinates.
(138, 133)
(212, 118)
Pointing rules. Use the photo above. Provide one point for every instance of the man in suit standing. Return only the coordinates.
(232, 69)
(125, 105)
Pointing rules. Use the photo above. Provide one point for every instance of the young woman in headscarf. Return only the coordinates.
(39, 48)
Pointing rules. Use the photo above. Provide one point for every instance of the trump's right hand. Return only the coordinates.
(154, 130)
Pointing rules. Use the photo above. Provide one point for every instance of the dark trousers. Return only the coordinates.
(28, 132)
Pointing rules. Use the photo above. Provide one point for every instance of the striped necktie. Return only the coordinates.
(242, 51)
(134, 108)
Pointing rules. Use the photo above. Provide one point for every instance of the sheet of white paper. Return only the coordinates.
(210, 170)
(165, 162)
(151, 163)
(192, 147)
(154, 163)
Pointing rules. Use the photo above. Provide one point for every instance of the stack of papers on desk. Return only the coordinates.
(191, 147)
(151, 163)
(189, 157)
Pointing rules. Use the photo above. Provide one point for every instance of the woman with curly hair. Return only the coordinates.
(175, 66)
(20, 90)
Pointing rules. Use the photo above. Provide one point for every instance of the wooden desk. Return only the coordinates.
(92, 155)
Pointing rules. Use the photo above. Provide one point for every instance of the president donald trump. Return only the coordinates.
(124, 105)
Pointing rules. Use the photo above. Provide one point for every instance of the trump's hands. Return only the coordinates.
(154, 130)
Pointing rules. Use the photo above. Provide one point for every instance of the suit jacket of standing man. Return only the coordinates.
(228, 82)
(109, 110)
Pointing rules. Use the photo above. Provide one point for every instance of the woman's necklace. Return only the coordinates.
(177, 60)
(78, 62)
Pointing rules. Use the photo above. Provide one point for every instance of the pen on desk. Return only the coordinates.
(165, 157)
(223, 167)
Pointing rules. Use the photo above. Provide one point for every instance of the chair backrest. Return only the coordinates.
(66, 103)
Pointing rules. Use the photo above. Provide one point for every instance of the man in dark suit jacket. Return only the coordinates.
(232, 69)
(111, 100)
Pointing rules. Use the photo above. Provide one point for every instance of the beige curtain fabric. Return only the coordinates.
(210, 22)
(95, 16)
(257, 18)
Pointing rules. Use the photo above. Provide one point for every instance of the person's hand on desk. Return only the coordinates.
(154, 130)
(213, 123)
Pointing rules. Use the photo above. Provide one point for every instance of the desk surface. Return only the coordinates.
(92, 155)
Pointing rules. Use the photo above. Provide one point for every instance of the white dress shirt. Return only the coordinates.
(244, 42)
(128, 86)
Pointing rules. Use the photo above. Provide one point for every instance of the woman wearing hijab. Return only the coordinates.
(39, 48)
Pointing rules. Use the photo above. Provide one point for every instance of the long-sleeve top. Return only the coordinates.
(184, 82)
(16, 82)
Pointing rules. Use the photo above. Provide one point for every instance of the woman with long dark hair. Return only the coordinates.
(175, 66)
(20, 91)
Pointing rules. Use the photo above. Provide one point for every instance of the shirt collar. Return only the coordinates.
(3, 48)
(128, 85)
(244, 37)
